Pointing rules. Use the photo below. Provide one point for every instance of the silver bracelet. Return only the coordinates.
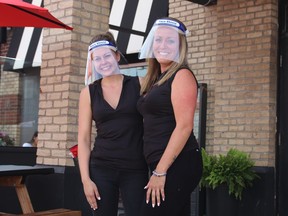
(158, 174)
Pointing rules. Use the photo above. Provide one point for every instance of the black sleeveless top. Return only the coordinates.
(119, 142)
(159, 121)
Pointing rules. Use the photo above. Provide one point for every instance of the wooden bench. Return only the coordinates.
(54, 212)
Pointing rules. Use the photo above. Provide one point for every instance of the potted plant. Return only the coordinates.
(225, 177)
(6, 140)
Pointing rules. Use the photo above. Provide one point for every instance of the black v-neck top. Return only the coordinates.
(119, 142)
(159, 120)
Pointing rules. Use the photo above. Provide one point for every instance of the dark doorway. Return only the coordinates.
(282, 132)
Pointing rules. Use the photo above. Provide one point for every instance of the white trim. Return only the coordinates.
(142, 15)
(37, 60)
(117, 12)
(134, 44)
(36, 2)
(23, 47)
(115, 33)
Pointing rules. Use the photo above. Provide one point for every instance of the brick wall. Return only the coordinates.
(233, 48)
(10, 109)
(62, 75)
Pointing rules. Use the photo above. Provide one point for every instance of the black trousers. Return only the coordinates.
(110, 181)
(182, 178)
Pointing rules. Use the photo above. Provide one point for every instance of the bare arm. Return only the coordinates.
(84, 133)
(84, 147)
(184, 100)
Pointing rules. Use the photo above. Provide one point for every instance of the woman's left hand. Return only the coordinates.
(155, 190)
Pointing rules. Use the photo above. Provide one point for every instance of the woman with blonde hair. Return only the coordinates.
(167, 103)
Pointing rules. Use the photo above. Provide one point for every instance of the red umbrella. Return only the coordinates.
(16, 13)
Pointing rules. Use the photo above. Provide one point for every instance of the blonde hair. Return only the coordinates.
(153, 70)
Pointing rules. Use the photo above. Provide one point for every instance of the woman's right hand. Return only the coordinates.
(91, 193)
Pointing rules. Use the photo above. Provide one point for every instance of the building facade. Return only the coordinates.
(234, 47)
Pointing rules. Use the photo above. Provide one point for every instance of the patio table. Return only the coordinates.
(14, 176)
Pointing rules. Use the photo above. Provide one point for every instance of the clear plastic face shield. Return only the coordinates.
(101, 61)
(163, 41)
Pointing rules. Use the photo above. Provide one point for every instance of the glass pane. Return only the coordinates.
(19, 105)
(134, 71)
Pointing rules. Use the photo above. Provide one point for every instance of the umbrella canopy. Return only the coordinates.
(16, 13)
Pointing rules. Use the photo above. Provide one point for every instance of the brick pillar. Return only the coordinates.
(64, 56)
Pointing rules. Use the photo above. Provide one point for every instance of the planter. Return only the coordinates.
(256, 201)
(220, 203)
(17, 155)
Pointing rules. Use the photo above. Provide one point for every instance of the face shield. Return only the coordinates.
(162, 42)
(101, 61)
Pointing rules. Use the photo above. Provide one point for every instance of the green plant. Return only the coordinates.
(233, 169)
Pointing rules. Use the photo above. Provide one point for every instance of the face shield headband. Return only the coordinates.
(101, 61)
(163, 40)
(167, 22)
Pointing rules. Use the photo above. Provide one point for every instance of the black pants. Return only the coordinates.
(110, 181)
(182, 178)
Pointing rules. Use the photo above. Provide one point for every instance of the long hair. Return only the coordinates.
(153, 70)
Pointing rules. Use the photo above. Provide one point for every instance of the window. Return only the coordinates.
(19, 104)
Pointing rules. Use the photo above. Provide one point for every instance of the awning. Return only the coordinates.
(25, 49)
(131, 20)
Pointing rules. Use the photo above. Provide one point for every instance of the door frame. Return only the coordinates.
(282, 115)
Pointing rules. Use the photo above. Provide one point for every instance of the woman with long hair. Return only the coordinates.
(168, 103)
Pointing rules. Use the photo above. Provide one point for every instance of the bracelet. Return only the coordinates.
(158, 174)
